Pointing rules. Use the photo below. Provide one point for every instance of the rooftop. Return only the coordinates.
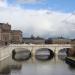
(35, 38)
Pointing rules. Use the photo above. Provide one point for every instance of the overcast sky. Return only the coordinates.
(45, 18)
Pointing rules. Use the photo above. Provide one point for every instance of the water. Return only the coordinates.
(32, 66)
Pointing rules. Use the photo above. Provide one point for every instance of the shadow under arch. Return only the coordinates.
(44, 54)
(21, 54)
(63, 53)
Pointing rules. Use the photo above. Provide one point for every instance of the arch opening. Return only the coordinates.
(63, 53)
(44, 54)
(21, 54)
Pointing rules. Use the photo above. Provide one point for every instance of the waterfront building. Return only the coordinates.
(16, 36)
(7, 35)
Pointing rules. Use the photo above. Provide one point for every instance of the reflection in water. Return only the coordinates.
(5, 70)
(71, 67)
(63, 52)
(61, 57)
(35, 67)
(43, 57)
(7, 65)
(44, 54)
(21, 54)
(15, 67)
(70, 62)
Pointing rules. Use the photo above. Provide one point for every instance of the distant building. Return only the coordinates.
(48, 41)
(34, 40)
(73, 41)
(7, 35)
(58, 40)
(61, 40)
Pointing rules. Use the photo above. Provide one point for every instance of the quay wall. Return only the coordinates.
(4, 52)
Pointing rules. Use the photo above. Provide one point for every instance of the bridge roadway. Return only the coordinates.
(7, 50)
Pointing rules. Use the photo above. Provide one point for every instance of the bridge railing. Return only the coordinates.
(54, 45)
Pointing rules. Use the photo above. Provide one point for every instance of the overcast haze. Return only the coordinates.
(37, 17)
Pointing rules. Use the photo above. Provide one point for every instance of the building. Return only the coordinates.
(58, 40)
(34, 40)
(16, 36)
(61, 40)
(48, 41)
(7, 35)
(73, 41)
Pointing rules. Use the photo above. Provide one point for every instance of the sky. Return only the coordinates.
(44, 18)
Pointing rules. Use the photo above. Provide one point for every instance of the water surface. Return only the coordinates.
(32, 66)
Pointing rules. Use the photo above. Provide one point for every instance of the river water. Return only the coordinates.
(55, 66)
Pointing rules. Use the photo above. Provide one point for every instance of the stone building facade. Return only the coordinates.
(7, 35)
(16, 36)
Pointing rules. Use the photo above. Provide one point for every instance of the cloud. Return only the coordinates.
(39, 22)
(3, 3)
(30, 1)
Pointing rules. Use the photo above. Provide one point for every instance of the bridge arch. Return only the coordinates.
(44, 53)
(64, 51)
(21, 53)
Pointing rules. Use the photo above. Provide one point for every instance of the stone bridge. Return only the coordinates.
(32, 47)
(7, 50)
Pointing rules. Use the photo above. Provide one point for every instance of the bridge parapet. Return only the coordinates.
(42, 45)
